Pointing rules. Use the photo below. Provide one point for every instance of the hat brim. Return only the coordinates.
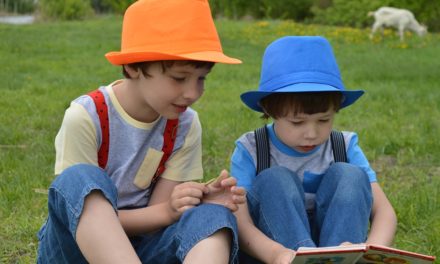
(121, 58)
(252, 98)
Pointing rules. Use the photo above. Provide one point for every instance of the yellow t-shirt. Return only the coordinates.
(135, 147)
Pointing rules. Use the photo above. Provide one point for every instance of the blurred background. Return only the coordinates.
(328, 12)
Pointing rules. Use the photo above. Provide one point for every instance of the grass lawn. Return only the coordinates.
(45, 66)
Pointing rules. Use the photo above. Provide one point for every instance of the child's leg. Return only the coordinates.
(73, 197)
(277, 206)
(204, 234)
(343, 205)
(100, 235)
(214, 249)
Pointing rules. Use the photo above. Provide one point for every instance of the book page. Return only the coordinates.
(379, 254)
(360, 253)
(329, 255)
(353, 247)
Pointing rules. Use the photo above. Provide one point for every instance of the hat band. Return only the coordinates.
(278, 82)
(175, 48)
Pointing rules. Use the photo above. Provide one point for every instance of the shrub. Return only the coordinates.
(117, 6)
(231, 8)
(286, 9)
(276, 9)
(65, 9)
(17, 6)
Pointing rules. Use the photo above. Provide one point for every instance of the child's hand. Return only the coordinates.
(283, 256)
(223, 191)
(185, 196)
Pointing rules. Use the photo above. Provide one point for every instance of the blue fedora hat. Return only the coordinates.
(295, 64)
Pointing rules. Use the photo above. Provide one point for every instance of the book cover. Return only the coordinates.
(329, 255)
(381, 254)
(363, 254)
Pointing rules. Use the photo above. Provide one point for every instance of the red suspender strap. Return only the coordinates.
(101, 109)
(169, 136)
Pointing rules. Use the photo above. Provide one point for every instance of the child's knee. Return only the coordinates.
(205, 220)
(69, 190)
(348, 174)
(208, 219)
(210, 213)
(346, 183)
(278, 179)
(82, 176)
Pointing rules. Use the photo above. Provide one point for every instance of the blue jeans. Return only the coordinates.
(169, 245)
(343, 204)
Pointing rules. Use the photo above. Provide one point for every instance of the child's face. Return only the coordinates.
(304, 132)
(171, 92)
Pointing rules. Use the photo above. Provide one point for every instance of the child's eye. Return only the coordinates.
(296, 123)
(202, 78)
(324, 120)
(178, 79)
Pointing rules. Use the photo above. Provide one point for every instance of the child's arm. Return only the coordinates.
(257, 244)
(252, 240)
(169, 200)
(383, 218)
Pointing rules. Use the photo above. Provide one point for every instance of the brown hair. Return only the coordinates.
(143, 66)
(279, 105)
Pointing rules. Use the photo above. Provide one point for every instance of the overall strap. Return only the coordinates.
(169, 137)
(263, 151)
(338, 146)
(263, 148)
(102, 110)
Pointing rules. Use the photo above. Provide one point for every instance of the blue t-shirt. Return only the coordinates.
(310, 167)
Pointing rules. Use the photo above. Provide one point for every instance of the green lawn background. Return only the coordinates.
(46, 65)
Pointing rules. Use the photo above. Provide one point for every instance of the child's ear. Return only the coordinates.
(133, 73)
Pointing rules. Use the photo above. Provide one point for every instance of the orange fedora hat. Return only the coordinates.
(169, 30)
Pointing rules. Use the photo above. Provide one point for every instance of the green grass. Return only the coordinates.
(45, 66)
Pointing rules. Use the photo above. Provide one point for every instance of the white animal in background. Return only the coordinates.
(401, 19)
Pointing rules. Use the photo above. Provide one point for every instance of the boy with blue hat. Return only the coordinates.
(304, 186)
(128, 155)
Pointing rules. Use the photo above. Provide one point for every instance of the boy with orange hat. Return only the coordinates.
(128, 153)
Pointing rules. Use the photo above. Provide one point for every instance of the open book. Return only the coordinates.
(366, 254)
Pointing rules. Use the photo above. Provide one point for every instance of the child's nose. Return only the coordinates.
(311, 132)
(192, 92)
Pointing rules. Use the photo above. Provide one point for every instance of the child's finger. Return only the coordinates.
(184, 208)
(224, 175)
(185, 187)
(239, 199)
(189, 201)
(238, 190)
(231, 206)
(228, 182)
(216, 182)
(189, 192)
